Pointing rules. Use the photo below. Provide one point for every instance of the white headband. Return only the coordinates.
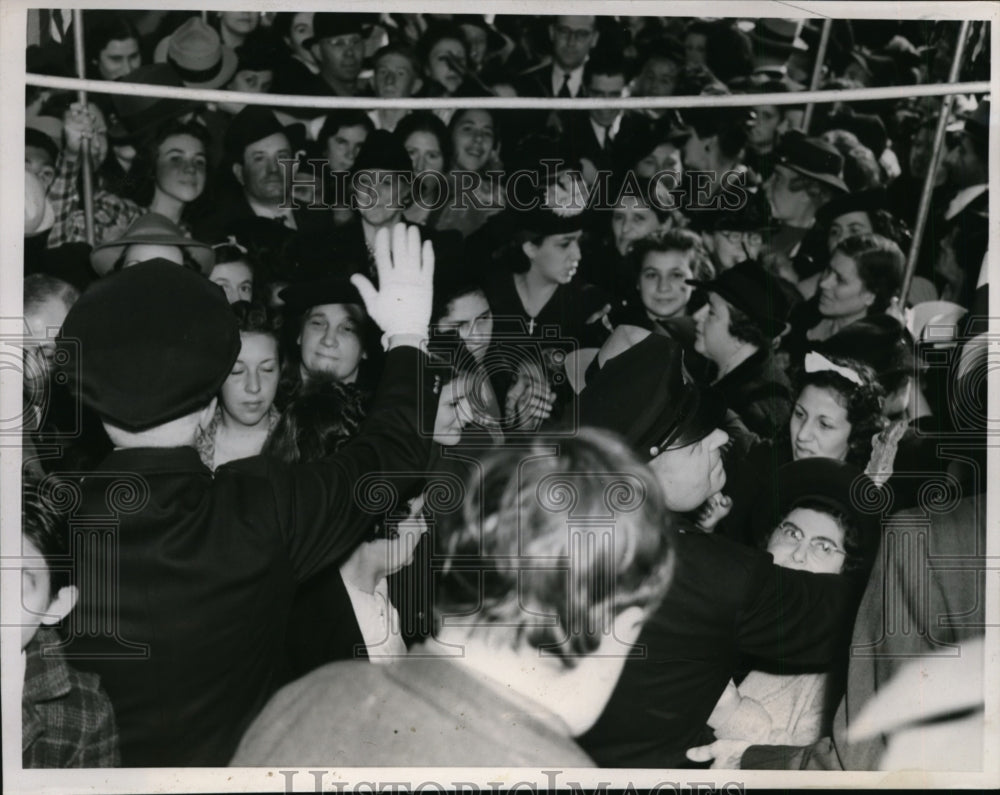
(817, 362)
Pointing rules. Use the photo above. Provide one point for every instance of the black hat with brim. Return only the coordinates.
(330, 24)
(301, 296)
(656, 409)
(149, 344)
(253, 123)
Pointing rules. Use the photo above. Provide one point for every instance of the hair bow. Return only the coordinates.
(817, 362)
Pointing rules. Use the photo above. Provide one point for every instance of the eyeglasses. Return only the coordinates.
(579, 35)
(821, 550)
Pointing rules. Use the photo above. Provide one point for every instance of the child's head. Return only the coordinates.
(46, 594)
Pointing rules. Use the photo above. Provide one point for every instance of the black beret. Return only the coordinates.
(149, 344)
(643, 395)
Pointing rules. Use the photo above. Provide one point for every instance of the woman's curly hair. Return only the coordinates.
(863, 403)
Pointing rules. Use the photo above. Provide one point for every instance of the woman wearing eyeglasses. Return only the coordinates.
(820, 531)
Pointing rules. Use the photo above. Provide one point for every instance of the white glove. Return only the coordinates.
(402, 304)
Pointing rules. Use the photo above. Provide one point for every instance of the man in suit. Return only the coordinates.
(187, 618)
(604, 137)
(726, 600)
(572, 38)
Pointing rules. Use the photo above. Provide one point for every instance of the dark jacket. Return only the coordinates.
(725, 600)
(66, 718)
(202, 570)
(759, 392)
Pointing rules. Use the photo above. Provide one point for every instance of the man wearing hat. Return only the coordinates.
(735, 329)
(260, 154)
(337, 44)
(197, 54)
(774, 41)
(205, 566)
(726, 599)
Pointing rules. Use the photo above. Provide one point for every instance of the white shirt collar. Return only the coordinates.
(378, 621)
(575, 80)
(599, 129)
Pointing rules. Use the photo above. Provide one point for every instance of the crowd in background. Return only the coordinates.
(703, 304)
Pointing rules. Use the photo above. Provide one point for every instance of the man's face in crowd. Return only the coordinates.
(690, 475)
(261, 173)
(786, 192)
(963, 166)
(607, 86)
(343, 146)
(395, 77)
(572, 38)
(340, 57)
(118, 58)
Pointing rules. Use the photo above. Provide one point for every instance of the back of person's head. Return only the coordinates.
(47, 529)
(314, 425)
(521, 509)
(40, 288)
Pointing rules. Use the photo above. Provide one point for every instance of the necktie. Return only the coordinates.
(564, 91)
(606, 146)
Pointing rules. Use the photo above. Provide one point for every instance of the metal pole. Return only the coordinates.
(88, 177)
(817, 75)
(925, 196)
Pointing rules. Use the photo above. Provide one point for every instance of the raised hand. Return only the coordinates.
(402, 304)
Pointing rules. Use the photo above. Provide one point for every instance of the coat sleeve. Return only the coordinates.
(793, 616)
(326, 509)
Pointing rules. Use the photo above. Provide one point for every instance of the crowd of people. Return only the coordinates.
(628, 406)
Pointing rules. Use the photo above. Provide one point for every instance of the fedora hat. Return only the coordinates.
(197, 54)
(329, 24)
(812, 157)
(779, 34)
(150, 229)
(136, 115)
(152, 343)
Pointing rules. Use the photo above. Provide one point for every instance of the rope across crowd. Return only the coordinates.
(545, 338)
